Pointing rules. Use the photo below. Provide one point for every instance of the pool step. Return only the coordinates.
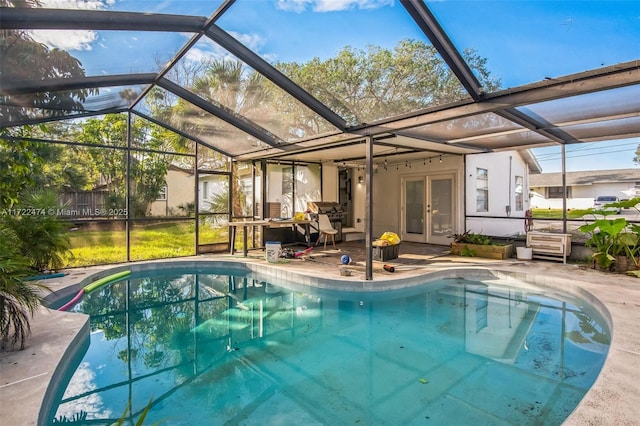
(352, 234)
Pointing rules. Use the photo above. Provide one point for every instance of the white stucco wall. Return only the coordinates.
(598, 189)
(329, 182)
(538, 202)
(387, 190)
(502, 168)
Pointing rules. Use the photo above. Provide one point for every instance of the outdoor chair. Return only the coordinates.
(326, 229)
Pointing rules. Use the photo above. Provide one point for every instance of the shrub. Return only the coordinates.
(42, 237)
(469, 237)
(19, 298)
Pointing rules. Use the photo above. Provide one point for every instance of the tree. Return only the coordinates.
(148, 168)
(24, 60)
(364, 86)
(20, 163)
(109, 131)
(148, 177)
(636, 158)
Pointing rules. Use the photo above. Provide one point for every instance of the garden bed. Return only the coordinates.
(490, 251)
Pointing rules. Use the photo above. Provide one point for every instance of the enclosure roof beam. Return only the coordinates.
(15, 18)
(537, 125)
(263, 67)
(17, 87)
(179, 132)
(223, 113)
(306, 150)
(38, 120)
(183, 51)
(607, 78)
(441, 141)
(440, 40)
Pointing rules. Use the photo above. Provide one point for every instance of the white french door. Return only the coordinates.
(428, 208)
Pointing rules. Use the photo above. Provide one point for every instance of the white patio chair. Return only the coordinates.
(326, 229)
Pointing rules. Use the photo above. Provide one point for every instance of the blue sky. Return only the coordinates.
(616, 154)
(522, 41)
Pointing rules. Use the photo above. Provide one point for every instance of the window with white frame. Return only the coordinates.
(162, 194)
(482, 190)
(519, 188)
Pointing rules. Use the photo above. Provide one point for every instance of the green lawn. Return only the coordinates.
(556, 214)
(152, 241)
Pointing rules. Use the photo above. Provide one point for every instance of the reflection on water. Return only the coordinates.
(215, 348)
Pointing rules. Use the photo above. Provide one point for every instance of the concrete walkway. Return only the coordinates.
(613, 400)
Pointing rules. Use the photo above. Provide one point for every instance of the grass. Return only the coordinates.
(148, 241)
(556, 214)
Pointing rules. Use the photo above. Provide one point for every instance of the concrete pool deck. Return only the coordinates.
(613, 399)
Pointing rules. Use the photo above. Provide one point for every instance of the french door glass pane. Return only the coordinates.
(415, 207)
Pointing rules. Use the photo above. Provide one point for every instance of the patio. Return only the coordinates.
(612, 400)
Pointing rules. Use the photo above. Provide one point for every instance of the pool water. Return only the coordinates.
(217, 348)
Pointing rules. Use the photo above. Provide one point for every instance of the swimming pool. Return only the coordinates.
(216, 347)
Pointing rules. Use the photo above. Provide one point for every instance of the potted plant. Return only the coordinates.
(473, 244)
(615, 242)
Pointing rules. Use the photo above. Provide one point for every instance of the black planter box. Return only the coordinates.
(386, 253)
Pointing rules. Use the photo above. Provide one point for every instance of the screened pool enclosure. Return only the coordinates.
(153, 124)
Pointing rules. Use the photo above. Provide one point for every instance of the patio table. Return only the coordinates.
(266, 223)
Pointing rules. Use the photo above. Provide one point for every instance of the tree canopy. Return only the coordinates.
(372, 84)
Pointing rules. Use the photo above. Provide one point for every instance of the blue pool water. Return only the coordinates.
(214, 348)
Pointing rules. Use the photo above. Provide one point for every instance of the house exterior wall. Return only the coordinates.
(502, 169)
(179, 191)
(360, 195)
(213, 186)
(615, 189)
(387, 191)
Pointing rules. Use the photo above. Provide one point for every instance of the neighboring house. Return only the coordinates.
(583, 187)
(177, 192)
(210, 186)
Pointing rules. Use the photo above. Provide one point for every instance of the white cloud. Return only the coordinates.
(206, 49)
(293, 5)
(72, 39)
(196, 54)
(330, 5)
(67, 39)
(77, 4)
(83, 381)
(252, 41)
